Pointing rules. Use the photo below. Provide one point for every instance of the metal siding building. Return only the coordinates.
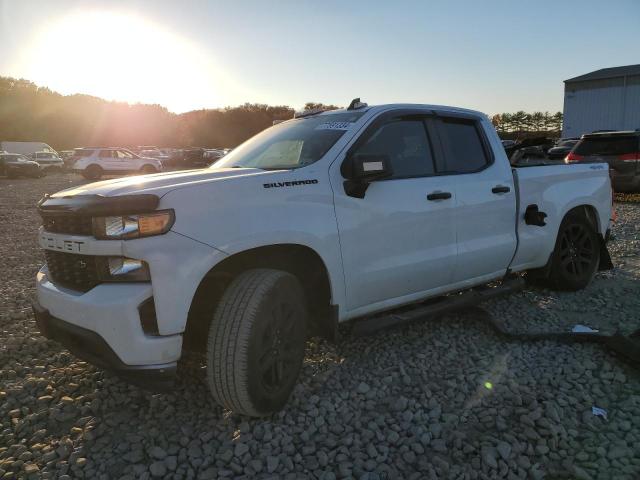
(607, 99)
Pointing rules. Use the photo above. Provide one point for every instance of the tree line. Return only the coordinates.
(32, 113)
(522, 123)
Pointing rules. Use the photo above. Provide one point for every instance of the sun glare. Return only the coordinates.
(124, 57)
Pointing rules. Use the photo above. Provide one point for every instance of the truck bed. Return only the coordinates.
(556, 189)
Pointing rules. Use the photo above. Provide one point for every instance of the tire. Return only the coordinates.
(576, 255)
(148, 169)
(93, 172)
(256, 342)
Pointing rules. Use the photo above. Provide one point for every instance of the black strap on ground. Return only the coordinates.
(627, 348)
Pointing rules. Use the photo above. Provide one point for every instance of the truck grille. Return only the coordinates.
(77, 272)
(71, 224)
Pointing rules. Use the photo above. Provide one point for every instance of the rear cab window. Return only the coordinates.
(464, 145)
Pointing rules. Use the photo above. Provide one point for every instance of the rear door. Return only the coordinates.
(485, 199)
(399, 240)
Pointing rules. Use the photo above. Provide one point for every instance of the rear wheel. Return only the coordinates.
(93, 172)
(576, 255)
(256, 342)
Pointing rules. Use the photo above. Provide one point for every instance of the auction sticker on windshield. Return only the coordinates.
(334, 126)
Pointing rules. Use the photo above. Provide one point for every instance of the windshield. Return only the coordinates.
(292, 144)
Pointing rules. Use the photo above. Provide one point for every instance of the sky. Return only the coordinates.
(490, 55)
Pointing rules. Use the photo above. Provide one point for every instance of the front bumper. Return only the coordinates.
(110, 311)
(90, 346)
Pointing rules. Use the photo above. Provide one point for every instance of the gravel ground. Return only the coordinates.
(440, 399)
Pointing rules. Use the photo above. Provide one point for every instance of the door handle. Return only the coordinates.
(500, 189)
(438, 196)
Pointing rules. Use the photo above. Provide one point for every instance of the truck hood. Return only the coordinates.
(158, 183)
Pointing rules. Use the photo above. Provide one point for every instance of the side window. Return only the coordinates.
(124, 154)
(465, 151)
(105, 154)
(406, 144)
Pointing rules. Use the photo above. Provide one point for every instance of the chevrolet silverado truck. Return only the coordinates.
(325, 218)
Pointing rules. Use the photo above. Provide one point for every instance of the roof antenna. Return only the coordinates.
(356, 104)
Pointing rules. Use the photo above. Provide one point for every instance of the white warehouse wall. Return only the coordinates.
(607, 104)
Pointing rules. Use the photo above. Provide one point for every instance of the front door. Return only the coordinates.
(398, 241)
(127, 162)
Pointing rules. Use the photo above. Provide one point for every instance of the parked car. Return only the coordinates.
(621, 150)
(93, 163)
(26, 148)
(508, 143)
(47, 160)
(194, 158)
(64, 154)
(561, 150)
(529, 149)
(213, 154)
(139, 148)
(14, 165)
(156, 153)
(318, 220)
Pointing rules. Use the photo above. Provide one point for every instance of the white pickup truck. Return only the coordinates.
(318, 220)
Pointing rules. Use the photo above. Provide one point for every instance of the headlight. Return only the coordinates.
(133, 226)
(122, 269)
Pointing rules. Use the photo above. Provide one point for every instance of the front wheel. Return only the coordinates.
(576, 255)
(147, 169)
(256, 342)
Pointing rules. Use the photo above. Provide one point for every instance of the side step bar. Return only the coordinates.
(436, 307)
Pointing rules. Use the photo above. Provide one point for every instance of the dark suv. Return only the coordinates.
(621, 150)
(14, 165)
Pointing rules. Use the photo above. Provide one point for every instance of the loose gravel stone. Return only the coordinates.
(446, 398)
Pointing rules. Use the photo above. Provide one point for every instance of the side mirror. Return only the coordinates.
(362, 169)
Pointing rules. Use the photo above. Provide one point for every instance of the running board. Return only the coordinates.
(435, 307)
